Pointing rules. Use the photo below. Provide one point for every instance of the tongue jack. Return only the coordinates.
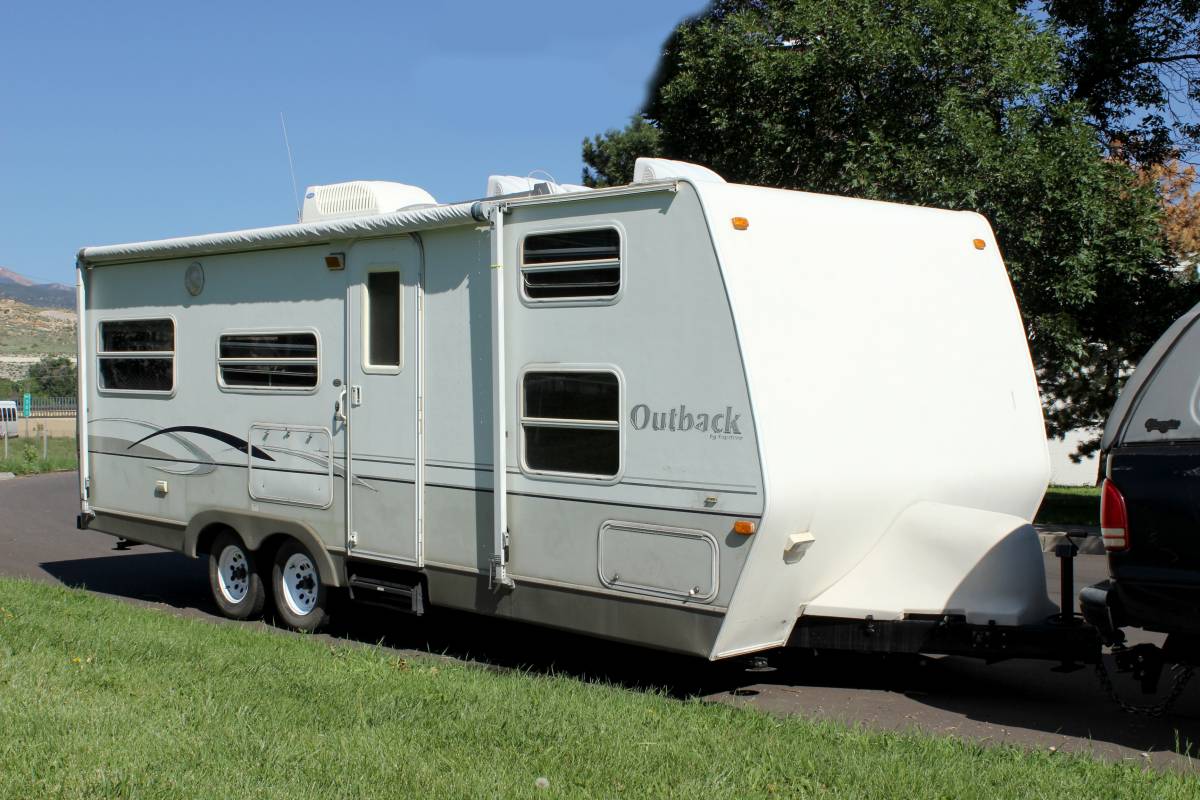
(1067, 617)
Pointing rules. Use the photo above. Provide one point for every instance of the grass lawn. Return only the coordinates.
(100, 698)
(1070, 505)
(25, 455)
(22, 343)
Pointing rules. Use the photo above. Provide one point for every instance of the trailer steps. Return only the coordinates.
(402, 590)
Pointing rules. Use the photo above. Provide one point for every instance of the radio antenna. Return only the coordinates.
(291, 165)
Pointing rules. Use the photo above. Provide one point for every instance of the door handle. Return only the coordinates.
(339, 408)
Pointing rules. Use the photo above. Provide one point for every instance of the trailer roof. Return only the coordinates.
(277, 236)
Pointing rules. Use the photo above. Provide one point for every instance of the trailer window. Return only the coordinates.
(137, 355)
(383, 320)
(268, 361)
(571, 265)
(570, 423)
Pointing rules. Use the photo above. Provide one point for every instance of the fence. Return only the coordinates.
(47, 406)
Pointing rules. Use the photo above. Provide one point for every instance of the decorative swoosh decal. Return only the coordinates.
(220, 436)
(323, 463)
(204, 464)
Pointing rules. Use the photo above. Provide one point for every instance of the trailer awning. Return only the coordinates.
(285, 235)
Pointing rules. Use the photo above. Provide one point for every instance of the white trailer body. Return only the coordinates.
(725, 411)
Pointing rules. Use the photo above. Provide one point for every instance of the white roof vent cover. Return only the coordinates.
(499, 185)
(657, 169)
(360, 198)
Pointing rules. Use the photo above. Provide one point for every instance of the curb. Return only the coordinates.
(6, 476)
(1085, 537)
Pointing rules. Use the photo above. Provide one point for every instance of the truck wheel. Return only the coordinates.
(233, 578)
(300, 599)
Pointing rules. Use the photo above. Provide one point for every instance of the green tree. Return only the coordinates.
(9, 388)
(609, 157)
(934, 102)
(1134, 65)
(53, 376)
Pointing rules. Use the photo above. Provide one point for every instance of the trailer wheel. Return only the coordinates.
(233, 578)
(300, 599)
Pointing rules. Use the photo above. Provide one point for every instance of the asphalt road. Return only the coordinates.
(1019, 701)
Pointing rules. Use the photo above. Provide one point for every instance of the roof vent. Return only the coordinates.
(657, 169)
(500, 185)
(360, 198)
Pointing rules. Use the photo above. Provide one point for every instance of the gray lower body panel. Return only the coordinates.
(555, 559)
(160, 533)
(678, 628)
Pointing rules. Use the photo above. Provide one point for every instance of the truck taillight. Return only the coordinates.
(1114, 522)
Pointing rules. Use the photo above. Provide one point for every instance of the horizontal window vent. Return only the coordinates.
(268, 361)
(572, 265)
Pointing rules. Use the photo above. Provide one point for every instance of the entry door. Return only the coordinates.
(383, 380)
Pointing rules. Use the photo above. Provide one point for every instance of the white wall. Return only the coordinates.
(1063, 471)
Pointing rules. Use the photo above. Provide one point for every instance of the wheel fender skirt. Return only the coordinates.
(255, 528)
(944, 559)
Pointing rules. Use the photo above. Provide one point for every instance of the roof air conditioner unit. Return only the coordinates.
(361, 198)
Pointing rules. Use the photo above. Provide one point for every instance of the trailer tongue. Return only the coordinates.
(1073, 640)
(1061, 637)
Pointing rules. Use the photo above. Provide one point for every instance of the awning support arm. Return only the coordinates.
(498, 572)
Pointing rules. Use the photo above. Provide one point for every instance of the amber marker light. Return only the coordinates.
(741, 224)
(980, 244)
(335, 261)
(744, 527)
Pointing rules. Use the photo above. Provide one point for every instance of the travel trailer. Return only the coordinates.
(703, 417)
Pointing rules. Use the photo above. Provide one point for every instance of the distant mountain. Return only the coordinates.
(8, 276)
(15, 286)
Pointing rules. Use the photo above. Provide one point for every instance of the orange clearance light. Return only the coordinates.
(980, 244)
(741, 224)
(744, 527)
(335, 261)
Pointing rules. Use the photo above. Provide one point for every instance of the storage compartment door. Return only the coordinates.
(657, 560)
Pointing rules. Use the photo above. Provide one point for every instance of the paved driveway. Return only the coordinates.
(1021, 702)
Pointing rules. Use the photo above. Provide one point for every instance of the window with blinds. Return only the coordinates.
(571, 265)
(272, 361)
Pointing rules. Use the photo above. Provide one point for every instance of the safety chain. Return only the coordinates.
(1182, 674)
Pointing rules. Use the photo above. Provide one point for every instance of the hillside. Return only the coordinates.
(29, 331)
(14, 286)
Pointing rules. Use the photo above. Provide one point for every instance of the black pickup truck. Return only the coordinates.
(1150, 502)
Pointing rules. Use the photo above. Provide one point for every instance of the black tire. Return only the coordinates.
(235, 583)
(301, 600)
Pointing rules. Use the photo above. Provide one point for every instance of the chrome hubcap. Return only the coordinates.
(299, 584)
(233, 574)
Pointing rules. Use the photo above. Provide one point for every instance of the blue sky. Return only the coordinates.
(126, 121)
